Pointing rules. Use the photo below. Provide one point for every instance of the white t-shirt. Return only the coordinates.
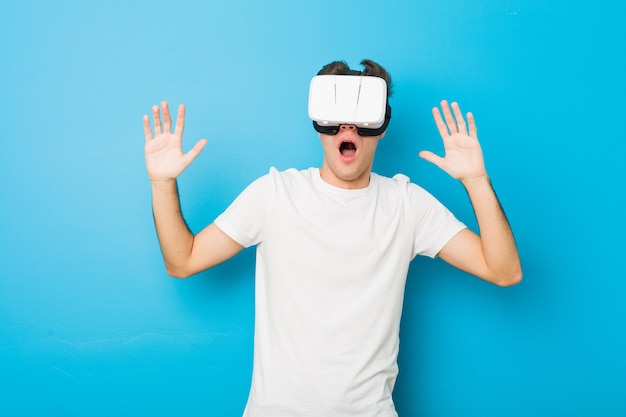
(330, 275)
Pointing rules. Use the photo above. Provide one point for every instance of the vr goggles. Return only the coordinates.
(353, 99)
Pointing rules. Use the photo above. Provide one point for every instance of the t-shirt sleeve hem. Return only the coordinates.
(436, 248)
(231, 231)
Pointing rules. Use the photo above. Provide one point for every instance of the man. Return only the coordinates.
(333, 250)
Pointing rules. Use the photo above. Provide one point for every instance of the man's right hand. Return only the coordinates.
(165, 159)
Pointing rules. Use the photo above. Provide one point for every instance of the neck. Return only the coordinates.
(348, 182)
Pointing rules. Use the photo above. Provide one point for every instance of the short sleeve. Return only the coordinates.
(435, 224)
(244, 220)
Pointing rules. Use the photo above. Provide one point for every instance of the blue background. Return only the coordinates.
(90, 324)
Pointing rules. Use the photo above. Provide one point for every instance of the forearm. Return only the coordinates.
(497, 241)
(175, 238)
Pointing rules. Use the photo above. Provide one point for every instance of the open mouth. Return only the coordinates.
(347, 149)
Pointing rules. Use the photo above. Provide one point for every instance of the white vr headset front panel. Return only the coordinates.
(348, 99)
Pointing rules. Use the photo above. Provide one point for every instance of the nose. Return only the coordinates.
(347, 127)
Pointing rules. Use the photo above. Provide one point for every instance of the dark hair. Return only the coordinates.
(371, 69)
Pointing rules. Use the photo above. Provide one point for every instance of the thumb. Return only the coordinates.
(431, 157)
(194, 152)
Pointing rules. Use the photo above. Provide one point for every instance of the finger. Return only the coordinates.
(431, 157)
(156, 115)
(167, 119)
(473, 131)
(180, 121)
(441, 125)
(460, 122)
(194, 152)
(147, 132)
(447, 114)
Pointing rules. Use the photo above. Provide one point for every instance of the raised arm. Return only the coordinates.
(184, 254)
(493, 254)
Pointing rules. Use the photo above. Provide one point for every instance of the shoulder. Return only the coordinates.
(292, 173)
(290, 177)
(412, 197)
(276, 182)
(402, 184)
(287, 175)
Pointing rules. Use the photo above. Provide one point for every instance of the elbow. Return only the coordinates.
(510, 279)
(177, 272)
(178, 275)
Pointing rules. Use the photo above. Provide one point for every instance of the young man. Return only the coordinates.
(333, 250)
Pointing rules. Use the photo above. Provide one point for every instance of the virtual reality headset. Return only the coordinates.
(357, 100)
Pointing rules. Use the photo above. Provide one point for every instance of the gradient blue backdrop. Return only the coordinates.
(90, 324)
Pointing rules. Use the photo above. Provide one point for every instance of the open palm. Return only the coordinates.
(463, 159)
(165, 159)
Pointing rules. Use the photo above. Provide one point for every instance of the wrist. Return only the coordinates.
(477, 182)
(163, 184)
